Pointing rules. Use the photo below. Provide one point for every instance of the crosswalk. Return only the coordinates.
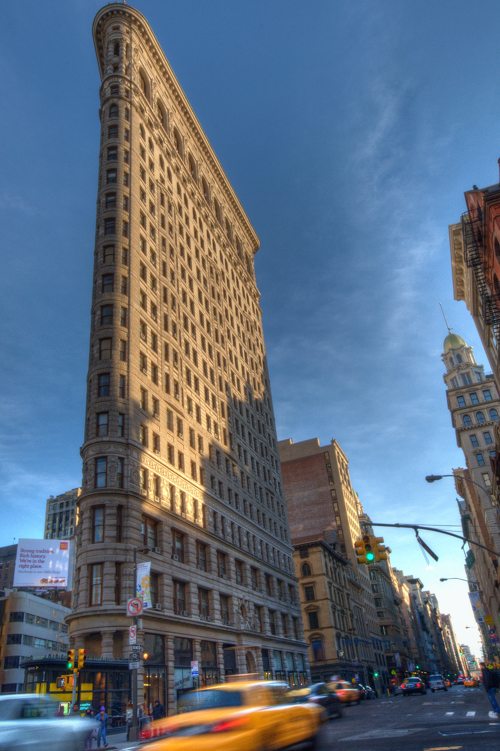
(456, 714)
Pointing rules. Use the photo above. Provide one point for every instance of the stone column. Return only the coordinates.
(107, 644)
(169, 659)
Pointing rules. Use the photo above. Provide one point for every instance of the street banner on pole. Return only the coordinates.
(143, 583)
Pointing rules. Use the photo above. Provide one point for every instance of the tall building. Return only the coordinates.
(322, 505)
(474, 405)
(61, 515)
(8, 555)
(180, 464)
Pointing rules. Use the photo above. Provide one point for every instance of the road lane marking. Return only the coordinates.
(443, 748)
(470, 714)
(449, 713)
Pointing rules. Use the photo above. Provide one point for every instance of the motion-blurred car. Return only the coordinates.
(348, 693)
(413, 685)
(321, 695)
(32, 721)
(436, 683)
(471, 683)
(448, 683)
(242, 715)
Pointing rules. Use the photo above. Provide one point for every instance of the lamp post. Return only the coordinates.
(134, 672)
(435, 478)
(459, 578)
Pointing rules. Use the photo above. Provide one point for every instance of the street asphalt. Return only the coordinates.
(455, 720)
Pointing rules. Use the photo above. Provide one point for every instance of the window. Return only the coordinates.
(493, 414)
(306, 569)
(107, 282)
(98, 524)
(222, 564)
(108, 254)
(101, 472)
(105, 348)
(313, 619)
(203, 602)
(106, 315)
(238, 565)
(110, 201)
(120, 472)
(111, 177)
(480, 418)
(149, 530)
(473, 441)
(179, 592)
(486, 480)
(113, 111)
(112, 154)
(473, 398)
(224, 602)
(178, 545)
(201, 556)
(466, 421)
(103, 384)
(110, 225)
(102, 423)
(480, 459)
(461, 401)
(309, 592)
(95, 590)
(487, 395)
(487, 437)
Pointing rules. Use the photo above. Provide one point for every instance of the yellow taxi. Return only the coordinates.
(471, 682)
(348, 693)
(236, 716)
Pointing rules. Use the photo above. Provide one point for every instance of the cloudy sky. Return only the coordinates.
(350, 130)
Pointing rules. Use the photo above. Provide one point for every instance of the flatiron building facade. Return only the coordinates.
(180, 461)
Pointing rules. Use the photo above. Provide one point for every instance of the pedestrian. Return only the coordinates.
(91, 739)
(158, 710)
(490, 681)
(129, 713)
(102, 719)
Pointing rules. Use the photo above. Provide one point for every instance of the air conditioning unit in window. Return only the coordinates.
(157, 550)
(175, 557)
(182, 612)
(157, 606)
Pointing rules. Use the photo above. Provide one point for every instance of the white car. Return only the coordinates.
(30, 721)
(436, 683)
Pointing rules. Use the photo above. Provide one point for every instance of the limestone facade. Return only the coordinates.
(180, 460)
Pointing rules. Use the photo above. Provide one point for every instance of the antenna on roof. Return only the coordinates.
(446, 322)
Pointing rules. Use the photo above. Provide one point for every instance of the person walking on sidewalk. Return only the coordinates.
(102, 719)
(489, 677)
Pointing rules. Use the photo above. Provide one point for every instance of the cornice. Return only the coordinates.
(134, 17)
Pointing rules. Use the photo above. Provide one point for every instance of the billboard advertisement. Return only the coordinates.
(43, 564)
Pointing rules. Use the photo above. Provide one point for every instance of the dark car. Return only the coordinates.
(320, 694)
(413, 685)
(370, 692)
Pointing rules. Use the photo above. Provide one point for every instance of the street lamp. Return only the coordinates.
(459, 579)
(434, 478)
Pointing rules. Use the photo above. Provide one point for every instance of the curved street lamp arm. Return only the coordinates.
(416, 527)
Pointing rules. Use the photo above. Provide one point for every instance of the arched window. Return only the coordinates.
(318, 649)
(205, 189)
(480, 418)
(192, 168)
(162, 114)
(306, 569)
(144, 84)
(466, 421)
(116, 49)
(218, 211)
(113, 110)
(178, 142)
(458, 357)
(493, 414)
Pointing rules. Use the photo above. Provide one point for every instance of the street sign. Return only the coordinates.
(194, 669)
(132, 635)
(133, 665)
(134, 606)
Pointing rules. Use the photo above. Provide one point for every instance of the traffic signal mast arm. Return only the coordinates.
(416, 527)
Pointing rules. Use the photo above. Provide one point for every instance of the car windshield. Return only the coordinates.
(436, 678)
(413, 680)
(209, 699)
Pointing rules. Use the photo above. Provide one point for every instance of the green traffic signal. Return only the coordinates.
(370, 556)
(375, 675)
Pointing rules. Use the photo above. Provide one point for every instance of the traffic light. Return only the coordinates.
(70, 660)
(376, 674)
(82, 655)
(359, 548)
(368, 545)
(380, 549)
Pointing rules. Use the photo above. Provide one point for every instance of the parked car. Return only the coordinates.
(243, 715)
(471, 683)
(413, 685)
(348, 693)
(321, 695)
(32, 721)
(436, 683)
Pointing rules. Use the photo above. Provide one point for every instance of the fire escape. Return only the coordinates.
(475, 258)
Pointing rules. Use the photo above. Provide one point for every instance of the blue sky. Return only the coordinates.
(350, 130)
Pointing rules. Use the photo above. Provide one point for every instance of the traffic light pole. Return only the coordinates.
(75, 688)
(416, 527)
